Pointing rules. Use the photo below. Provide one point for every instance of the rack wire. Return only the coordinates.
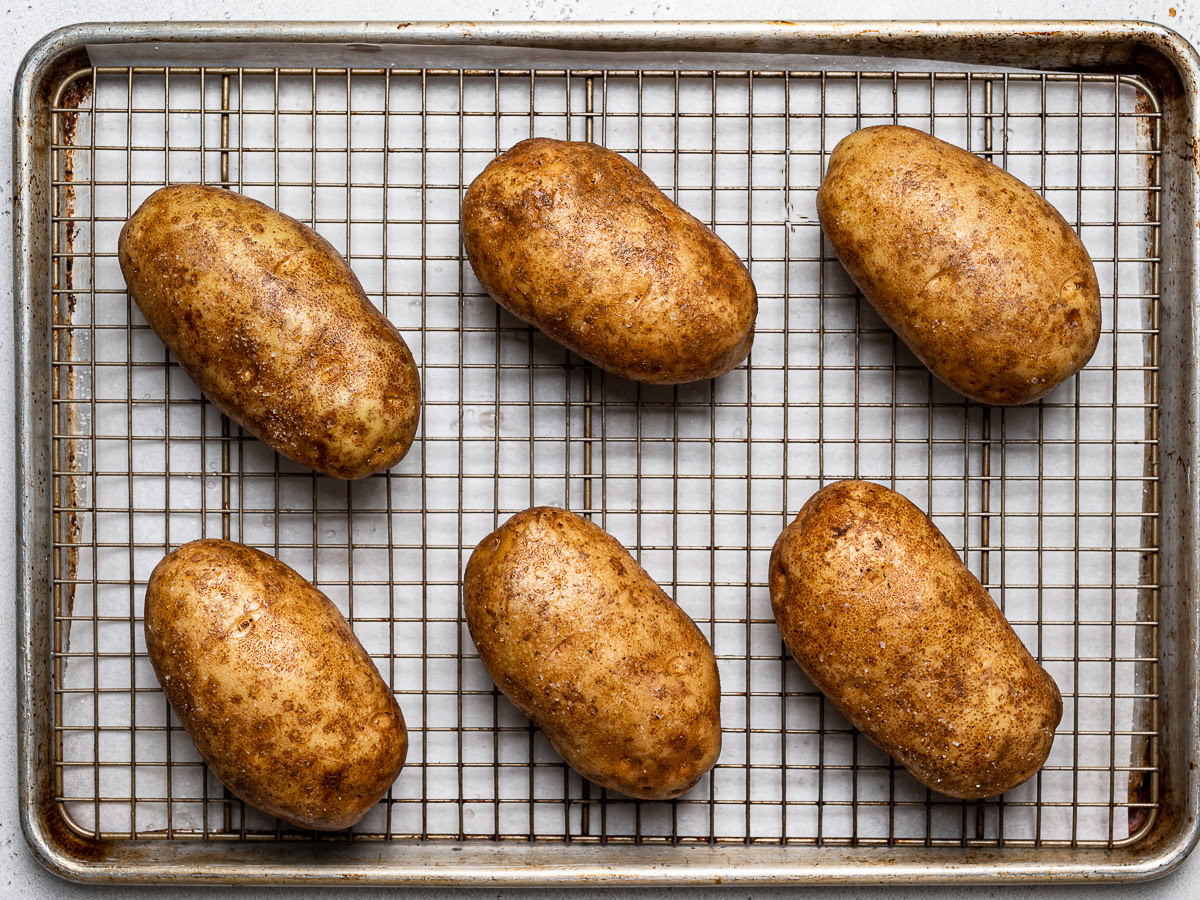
(1054, 506)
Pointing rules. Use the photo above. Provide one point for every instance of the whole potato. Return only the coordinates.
(982, 278)
(581, 640)
(889, 624)
(266, 317)
(271, 684)
(575, 239)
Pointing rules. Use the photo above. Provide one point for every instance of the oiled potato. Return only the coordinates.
(270, 322)
(575, 239)
(581, 640)
(886, 620)
(271, 684)
(982, 278)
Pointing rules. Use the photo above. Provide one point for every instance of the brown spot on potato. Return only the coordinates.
(1074, 289)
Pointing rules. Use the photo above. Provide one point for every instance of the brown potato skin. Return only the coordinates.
(576, 240)
(271, 323)
(272, 686)
(887, 622)
(981, 277)
(580, 639)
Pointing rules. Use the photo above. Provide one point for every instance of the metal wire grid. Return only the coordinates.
(1054, 506)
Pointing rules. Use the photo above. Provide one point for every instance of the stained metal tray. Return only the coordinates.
(1078, 513)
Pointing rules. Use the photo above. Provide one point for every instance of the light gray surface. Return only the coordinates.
(25, 23)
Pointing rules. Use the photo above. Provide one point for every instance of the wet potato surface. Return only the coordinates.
(981, 277)
(272, 325)
(272, 686)
(579, 637)
(576, 240)
(883, 617)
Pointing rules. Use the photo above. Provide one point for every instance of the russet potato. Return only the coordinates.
(272, 686)
(273, 326)
(578, 241)
(979, 275)
(580, 639)
(884, 618)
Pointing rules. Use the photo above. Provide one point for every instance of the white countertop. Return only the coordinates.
(25, 22)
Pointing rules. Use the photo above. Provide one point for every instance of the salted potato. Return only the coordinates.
(580, 639)
(576, 240)
(267, 318)
(884, 618)
(982, 278)
(271, 684)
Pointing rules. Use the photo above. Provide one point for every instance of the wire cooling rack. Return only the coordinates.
(1054, 506)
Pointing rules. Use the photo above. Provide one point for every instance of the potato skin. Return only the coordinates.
(267, 318)
(581, 640)
(887, 622)
(575, 239)
(981, 277)
(274, 689)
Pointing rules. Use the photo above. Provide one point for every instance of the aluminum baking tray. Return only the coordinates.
(1078, 513)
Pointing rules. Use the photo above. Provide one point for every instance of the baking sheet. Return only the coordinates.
(696, 480)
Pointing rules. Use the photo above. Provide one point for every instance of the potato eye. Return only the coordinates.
(245, 624)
